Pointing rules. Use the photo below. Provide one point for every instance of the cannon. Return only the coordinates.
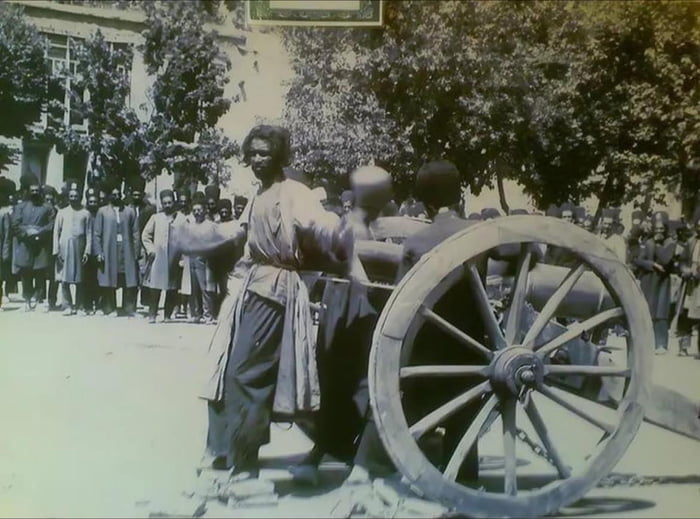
(526, 412)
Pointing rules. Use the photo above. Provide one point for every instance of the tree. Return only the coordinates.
(99, 92)
(25, 78)
(558, 97)
(190, 73)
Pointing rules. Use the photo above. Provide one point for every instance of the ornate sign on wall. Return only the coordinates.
(365, 13)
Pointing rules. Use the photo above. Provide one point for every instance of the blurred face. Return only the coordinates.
(659, 232)
(238, 210)
(115, 196)
(587, 224)
(606, 225)
(184, 201)
(636, 222)
(102, 198)
(49, 199)
(198, 213)
(261, 158)
(211, 205)
(224, 214)
(137, 197)
(93, 203)
(347, 206)
(567, 216)
(35, 193)
(11, 199)
(646, 225)
(168, 204)
(74, 199)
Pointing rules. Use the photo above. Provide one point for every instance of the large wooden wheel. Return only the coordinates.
(567, 443)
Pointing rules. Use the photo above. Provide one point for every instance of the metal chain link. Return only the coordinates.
(534, 446)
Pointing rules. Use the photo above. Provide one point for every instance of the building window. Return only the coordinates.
(63, 55)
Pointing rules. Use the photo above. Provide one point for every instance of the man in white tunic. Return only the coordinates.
(72, 246)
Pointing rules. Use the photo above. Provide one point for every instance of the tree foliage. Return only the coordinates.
(569, 100)
(189, 73)
(99, 92)
(25, 78)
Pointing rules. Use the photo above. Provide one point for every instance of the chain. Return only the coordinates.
(534, 446)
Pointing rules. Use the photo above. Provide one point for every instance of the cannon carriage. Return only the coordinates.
(553, 404)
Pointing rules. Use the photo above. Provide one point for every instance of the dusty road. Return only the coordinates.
(99, 417)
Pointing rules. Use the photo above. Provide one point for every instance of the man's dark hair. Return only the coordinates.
(278, 138)
(438, 184)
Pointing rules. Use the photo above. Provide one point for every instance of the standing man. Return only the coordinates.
(263, 351)
(72, 246)
(239, 203)
(212, 194)
(348, 200)
(225, 210)
(6, 187)
(655, 262)
(611, 238)
(32, 224)
(203, 287)
(53, 200)
(91, 289)
(163, 272)
(117, 243)
(183, 202)
(143, 210)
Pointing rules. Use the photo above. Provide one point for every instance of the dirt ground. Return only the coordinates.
(100, 418)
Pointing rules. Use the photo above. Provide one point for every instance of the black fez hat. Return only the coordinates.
(661, 216)
(518, 211)
(490, 212)
(224, 203)
(608, 213)
(567, 206)
(199, 198)
(437, 184)
(212, 191)
(390, 209)
(91, 191)
(579, 212)
(137, 183)
(240, 200)
(638, 215)
(181, 193)
(166, 192)
(474, 216)
(49, 190)
(73, 186)
(27, 180)
(111, 183)
(552, 210)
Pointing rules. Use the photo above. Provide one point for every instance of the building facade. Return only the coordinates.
(260, 70)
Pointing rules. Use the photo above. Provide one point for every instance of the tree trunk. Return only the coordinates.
(502, 194)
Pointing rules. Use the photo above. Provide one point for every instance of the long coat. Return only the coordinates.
(72, 239)
(106, 234)
(655, 285)
(164, 273)
(143, 214)
(5, 240)
(32, 226)
(691, 261)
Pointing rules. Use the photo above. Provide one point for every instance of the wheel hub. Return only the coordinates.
(516, 369)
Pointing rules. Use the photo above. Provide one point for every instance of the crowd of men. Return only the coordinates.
(115, 240)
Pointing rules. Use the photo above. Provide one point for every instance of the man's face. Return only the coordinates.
(347, 206)
(606, 225)
(137, 197)
(74, 199)
(211, 205)
(261, 158)
(49, 199)
(168, 204)
(659, 232)
(115, 196)
(183, 202)
(636, 222)
(198, 213)
(102, 198)
(646, 226)
(238, 210)
(12, 199)
(567, 216)
(224, 214)
(587, 224)
(35, 193)
(93, 203)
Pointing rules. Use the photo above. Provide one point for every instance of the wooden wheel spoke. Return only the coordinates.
(552, 304)
(455, 332)
(577, 329)
(444, 371)
(576, 410)
(471, 436)
(518, 298)
(446, 410)
(510, 486)
(602, 371)
(541, 430)
(493, 329)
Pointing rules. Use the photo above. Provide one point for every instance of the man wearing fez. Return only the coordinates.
(239, 203)
(655, 262)
(263, 350)
(613, 240)
(347, 199)
(52, 199)
(212, 194)
(203, 286)
(163, 272)
(143, 210)
(183, 202)
(6, 187)
(117, 244)
(566, 212)
(225, 210)
(32, 225)
(72, 246)
(91, 290)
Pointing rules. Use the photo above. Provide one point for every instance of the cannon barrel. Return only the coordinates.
(588, 296)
